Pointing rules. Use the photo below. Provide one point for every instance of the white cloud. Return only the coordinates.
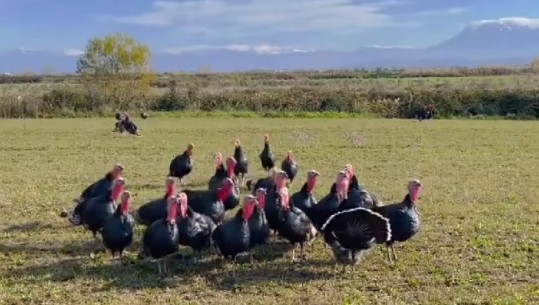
(275, 15)
(510, 21)
(73, 52)
(261, 49)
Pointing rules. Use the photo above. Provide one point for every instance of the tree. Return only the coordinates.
(115, 70)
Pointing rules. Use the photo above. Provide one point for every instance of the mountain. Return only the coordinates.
(505, 41)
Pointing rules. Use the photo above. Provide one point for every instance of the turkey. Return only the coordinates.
(351, 233)
(182, 164)
(265, 183)
(233, 200)
(290, 166)
(144, 115)
(233, 237)
(242, 166)
(194, 228)
(293, 224)
(130, 127)
(258, 224)
(210, 202)
(271, 207)
(304, 199)
(220, 172)
(266, 156)
(357, 195)
(329, 205)
(157, 208)
(125, 124)
(403, 217)
(161, 239)
(100, 187)
(119, 125)
(117, 231)
(99, 209)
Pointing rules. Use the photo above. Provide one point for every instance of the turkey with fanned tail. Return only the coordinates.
(351, 233)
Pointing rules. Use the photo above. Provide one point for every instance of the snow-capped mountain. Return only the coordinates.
(505, 41)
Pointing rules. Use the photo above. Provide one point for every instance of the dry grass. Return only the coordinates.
(478, 243)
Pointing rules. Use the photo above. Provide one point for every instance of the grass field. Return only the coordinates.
(220, 83)
(479, 241)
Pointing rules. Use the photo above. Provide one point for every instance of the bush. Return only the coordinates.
(22, 79)
(293, 92)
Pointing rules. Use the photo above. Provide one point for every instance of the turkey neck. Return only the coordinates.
(222, 194)
(310, 186)
(170, 191)
(238, 152)
(230, 171)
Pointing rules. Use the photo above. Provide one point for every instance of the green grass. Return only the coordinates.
(478, 243)
(218, 84)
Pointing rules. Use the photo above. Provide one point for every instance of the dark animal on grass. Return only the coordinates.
(242, 164)
(99, 209)
(266, 156)
(304, 199)
(117, 231)
(216, 181)
(271, 207)
(97, 188)
(258, 224)
(290, 166)
(425, 113)
(293, 224)
(125, 124)
(265, 183)
(194, 228)
(351, 233)
(403, 217)
(357, 196)
(211, 202)
(156, 208)
(329, 204)
(234, 236)
(161, 239)
(182, 165)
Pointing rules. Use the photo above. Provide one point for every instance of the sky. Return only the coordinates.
(177, 26)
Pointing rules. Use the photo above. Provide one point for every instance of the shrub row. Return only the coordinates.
(162, 80)
(518, 103)
(20, 79)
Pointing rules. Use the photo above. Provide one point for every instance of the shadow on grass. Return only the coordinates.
(37, 249)
(28, 227)
(133, 274)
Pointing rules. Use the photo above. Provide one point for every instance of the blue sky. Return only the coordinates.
(182, 25)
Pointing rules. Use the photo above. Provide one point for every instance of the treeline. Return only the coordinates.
(161, 79)
(20, 79)
(520, 103)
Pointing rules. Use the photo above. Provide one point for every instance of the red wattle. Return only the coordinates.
(247, 211)
(172, 212)
(414, 195)
(124, 207)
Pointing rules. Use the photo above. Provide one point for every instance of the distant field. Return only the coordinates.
(478, 243)
(235, 82)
